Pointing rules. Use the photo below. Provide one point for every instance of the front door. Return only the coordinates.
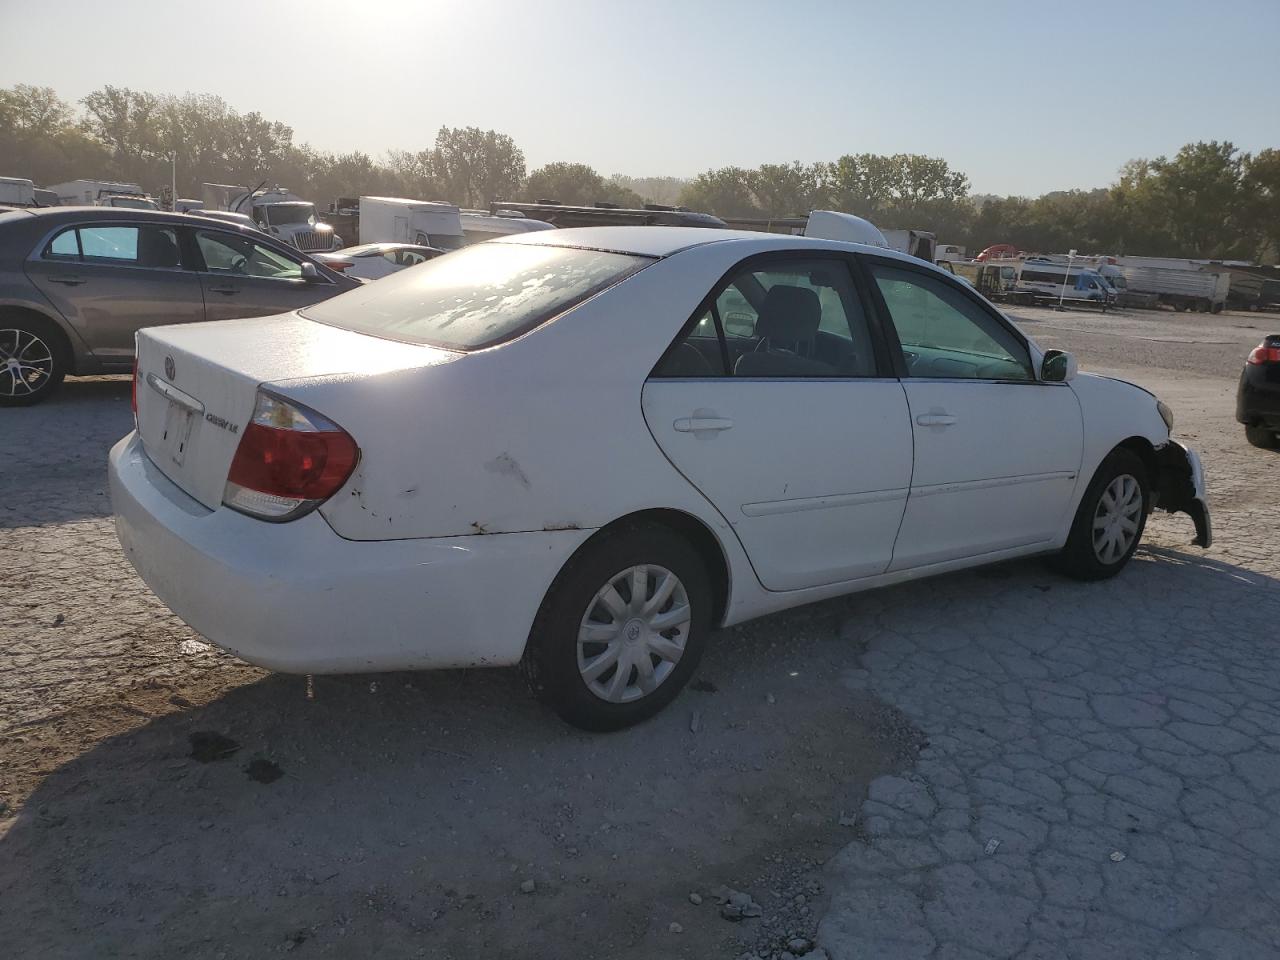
(996, 450)
(243, 278)
(111, 279)
(777, 405)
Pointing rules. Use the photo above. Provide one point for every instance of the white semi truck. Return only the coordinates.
(428, 223)
(276, 211)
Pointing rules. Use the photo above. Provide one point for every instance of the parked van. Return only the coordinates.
(1043, 279)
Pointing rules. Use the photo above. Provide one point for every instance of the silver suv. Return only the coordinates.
(76, 283)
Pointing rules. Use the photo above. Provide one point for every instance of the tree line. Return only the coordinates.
(1208, 200)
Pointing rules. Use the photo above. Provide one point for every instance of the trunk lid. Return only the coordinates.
(198, 382)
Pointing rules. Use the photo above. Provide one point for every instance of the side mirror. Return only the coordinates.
(310, 273)
(1058, 366)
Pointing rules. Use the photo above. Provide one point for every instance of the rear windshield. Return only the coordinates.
(478, 296)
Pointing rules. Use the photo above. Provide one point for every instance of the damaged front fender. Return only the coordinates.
(1181, 488)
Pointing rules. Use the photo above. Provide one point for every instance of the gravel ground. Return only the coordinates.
(1116, 747)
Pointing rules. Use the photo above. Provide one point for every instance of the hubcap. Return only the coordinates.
(26, 362)
(633, 633)
(1115, 522)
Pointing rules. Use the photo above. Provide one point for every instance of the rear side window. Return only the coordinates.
(478, 296)
(132, 246)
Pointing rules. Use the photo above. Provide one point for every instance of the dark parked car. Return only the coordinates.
(76, 283)
(1258, 398)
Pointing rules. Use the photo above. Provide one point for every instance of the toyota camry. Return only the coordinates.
(583, 450)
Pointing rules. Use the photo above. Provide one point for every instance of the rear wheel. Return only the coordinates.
(32, 361)
(622, 628)
(1109, 522)
(1263, 437)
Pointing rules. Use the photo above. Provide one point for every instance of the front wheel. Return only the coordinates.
(1263, 437)
(31, 363)
(1109, 522)
(621, 630)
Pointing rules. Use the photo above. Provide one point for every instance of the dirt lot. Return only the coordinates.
(159, 798)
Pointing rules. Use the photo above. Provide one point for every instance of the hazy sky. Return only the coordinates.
(1021, 96)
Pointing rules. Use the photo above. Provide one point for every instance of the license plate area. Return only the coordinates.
(177, 433)
(180, 416)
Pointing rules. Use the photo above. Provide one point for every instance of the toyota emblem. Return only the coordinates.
(170, 371)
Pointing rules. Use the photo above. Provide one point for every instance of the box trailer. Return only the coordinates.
(1179, 287)
(17, 192)
(400, 220)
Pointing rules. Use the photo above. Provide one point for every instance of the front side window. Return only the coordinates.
(785, 318)
(231, 253)
(479, 296)
(944, 333)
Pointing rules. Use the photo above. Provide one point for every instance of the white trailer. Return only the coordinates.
(101, 193)
(1183, 289)
(400, 220)
(480, 225)
(17, 192)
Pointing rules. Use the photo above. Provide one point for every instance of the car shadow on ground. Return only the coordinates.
(403, 811)
(55, 453)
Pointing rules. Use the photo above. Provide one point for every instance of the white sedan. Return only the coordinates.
(583, 450)
(370, 261)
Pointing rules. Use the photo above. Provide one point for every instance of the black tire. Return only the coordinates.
(551, 660)
(39, 345)
(1263, 437)
(1080, 558)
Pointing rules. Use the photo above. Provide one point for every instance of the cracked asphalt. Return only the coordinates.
(1099, 775)
(1102, 777)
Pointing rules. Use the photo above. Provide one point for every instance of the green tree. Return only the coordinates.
(725, 192)
(577, 183)
(475, 166)
(789, 189)
(1262, 188)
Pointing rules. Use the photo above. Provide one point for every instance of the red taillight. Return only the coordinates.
(339, 265)
(289, 461)
(1265, 352)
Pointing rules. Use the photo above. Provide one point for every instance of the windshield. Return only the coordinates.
(478, 296)
(282, 213)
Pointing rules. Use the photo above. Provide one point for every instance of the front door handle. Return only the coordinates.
(935, 420)
(70, 281)
(226, 290)
(698, 424)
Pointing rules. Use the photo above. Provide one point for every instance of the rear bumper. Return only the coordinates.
(1258, 398)
(298, 598)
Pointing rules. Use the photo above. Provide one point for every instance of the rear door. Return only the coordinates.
(110, 279)
(244, 278)
(996, 450)
(776, 402)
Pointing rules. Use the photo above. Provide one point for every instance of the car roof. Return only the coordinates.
(653, 241)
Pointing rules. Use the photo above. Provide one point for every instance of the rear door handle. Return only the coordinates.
(935, 420)
(226, 290)
(69, 281)
(697, 424)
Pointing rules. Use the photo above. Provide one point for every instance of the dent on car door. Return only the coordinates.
(997, 451)
(244, 278)
(776, 405)
(110, 279)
